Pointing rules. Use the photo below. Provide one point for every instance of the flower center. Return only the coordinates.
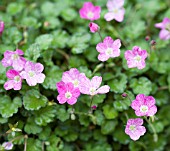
(92, 90)
(15, 56)
(31, 73)
(109, 51)
(167, 27)
(68, 95)
(115, 11)
(90, 15)
(137, 58)
(144, 108)
(132, 127)
(76, 83)
(17, 78)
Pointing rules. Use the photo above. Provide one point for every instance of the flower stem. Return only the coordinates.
(100, 35)
(90, 109)
(25, 142)
(155, 136)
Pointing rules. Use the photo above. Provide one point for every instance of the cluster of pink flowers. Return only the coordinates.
(143, 106)
(73, 83)
(22, 69)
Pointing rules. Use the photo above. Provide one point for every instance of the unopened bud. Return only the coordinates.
(124, 95)
(93, 27)
(46, 24)
(147, 38)
(2, 25)
(73, 117)
(94, 107)
(153, 42)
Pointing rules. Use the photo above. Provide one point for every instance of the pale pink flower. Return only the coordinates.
(108, 49)
(134, 128)
(73, 76)
(136, 57)
(15, 81)
(165, 29)
(116, 10)
(32, 73)
(91, 87)
(144, 105)
(67, 93)
(14, 59)
(93, 27)
(7, 145)
(1, 27)
(89, 11)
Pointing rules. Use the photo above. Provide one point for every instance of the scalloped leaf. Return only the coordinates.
(33, 100)
(45, 115)
(9, 107)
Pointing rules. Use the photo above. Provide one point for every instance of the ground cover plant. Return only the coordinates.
(84, 75)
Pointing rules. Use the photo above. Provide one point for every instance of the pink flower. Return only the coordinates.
(32, 73)
(108, 49)
(90, 12)
(93, 27)
(116, 10)
(1, 27)
(144, 105)
(67, 93)
(134, 128)
(7, 145)
(73, 76)
(91, 87)
(165, 29)
(15, 81)
(136, 57)
(14, 59)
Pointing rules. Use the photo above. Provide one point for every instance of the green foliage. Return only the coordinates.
(51, 32)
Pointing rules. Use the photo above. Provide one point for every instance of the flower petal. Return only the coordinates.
(104, 89)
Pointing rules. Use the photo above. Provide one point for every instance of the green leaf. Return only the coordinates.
(53, 75)
(14, 8)
(142, 85)
(109, 112)
(44, 41)
(45, 133)
(33, 52)
(30, 22)
(45, 115)
(62, 113)
(69, 14)
(118, 84)
(108, 127)
(34, 144)
(31, 127)
(33, 100)
(9, 107)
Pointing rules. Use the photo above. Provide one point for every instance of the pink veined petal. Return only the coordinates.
(85, 85)
(103, 57)
(116, 44)
(141, 65)
(116, 53)
(9, 85)
(134, 136)
(101, 47)
(152, 111)
(149, 101)
(17, 86)
(39, 67)
(11, 73)
(73, 72)
(140, 98)
(141, 130)
(75, 92)
(128, 54)
(32, 81)
(164, 34)
(19, 52)
(6, 62)
(111, 4)
(29, 66)
(72, 100)
(61, 99)
(143, 54)
(131, 64)
(139, 113)
(40, 78)
(97, 10)
(69, 86)
(104, 89)
(109, 16)
(120, 15)
(8, 53)
(135, 105)
(108, 41)
(88, 5)
(61, 87)
(66, 77)
(138, 121)
(159, 25)
(23, 75)
(96, 81)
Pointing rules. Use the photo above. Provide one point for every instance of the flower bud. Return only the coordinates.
(153, 42)
(93, 27)
(1, 27)
(94, 107)
(147, 38)
(124, 95)
(73, 117)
